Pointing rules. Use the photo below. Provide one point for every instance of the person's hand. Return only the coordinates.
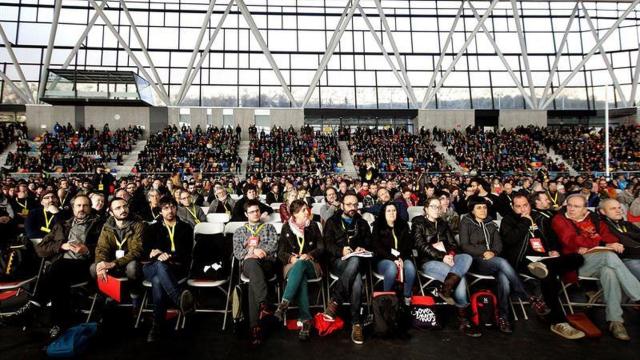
(261, 254)
(293, 259)
(4, 219)
(79, 248)
(305, 257)
(164, 256)
(448, 259)
(346, 251)
(617, 247)
(104, 265)
(554, 253)
(582, 250)
(360, 249)
(154, 253)
(102, 274)
(66, 247)
(399, 263)
(488, 255)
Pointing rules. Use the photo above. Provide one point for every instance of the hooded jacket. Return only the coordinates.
(478, 237)
(131, 242)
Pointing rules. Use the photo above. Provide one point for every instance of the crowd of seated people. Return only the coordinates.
(11, 132)
(514, 150)
(187, 150)
(379, 151)
(66, 149)
(83, 225)
(583, 147)
(288, 151)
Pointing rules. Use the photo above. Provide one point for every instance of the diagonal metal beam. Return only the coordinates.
(563, 43)
(265, 49)
(16, 64)
(136, 33)
(196, 47)
(616, 83)
(126, 47)
(590, 53)
(515, 79)
(403, 69)
(636, 78)
(525, 55)
(15, 88)
(345, 18)
(460, 52)
(386, 55)
(442, 53)
(205, 52)
(44, 71)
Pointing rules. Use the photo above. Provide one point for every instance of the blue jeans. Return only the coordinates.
(439, 270)
(389, 270)
(507, 278)
(165, 287)
(634, 266)
(349, 283)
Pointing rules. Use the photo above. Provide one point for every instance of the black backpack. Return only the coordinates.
(18, 261)
(211, 257)
(385, 313)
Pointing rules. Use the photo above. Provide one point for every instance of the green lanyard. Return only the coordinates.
(193, 213)
(254, 233)
(125, 240)
(395, 239)
(300, 243)
(47, 220)
(172, 232)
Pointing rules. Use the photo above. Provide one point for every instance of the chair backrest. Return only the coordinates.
(276, 205)
(262, 197)
(208, 228)
(318, 199)
(369, 217)
(222, 218)
(231, 227)
(274, 218)
(415, 211)
(278, 227)
(205, 209)
(236, 197)
(316, 208)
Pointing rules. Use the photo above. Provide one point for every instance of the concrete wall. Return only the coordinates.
(445, 119)
(47, 115)
(513, 118)
(173, 116)
(245, 118)
(116, 116)
(158, 120)
(198, 117)
(287, 117)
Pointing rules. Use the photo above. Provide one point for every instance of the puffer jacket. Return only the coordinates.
(478, 237)
(425, 233)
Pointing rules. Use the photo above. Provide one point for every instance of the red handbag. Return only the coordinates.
(325, 327)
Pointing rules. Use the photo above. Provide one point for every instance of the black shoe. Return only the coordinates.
(55, 332)
(305, 332)
(265, 311)
(26, 312)
(281, 310)
(505, 326)
(330, 313)
(465, 325)
(187, 306)
(154, 333)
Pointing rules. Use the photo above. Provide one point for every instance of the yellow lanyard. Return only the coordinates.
(300, 243)
(555, 199)
(172, 232)
(226, 209)
(395, 239)
(532, 232)
(125, 240)
(254, 233)
(47, 221)
(193, 212)
(23, 206)
(622, 228)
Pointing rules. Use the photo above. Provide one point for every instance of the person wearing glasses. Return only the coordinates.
(40, 220)
(188, 211)
(583, 232)
(167, 246)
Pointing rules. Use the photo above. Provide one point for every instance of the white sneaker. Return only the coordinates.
(567, 331)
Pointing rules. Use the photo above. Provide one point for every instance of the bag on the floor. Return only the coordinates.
(385, 313)
(238, 311)
(424, 314)
(325, 327)
(73, 342)
(484, 306)
(582, 322)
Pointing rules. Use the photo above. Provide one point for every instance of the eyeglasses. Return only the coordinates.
(435, 207)
(253, 211)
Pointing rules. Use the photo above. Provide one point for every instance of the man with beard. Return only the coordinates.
(41, 220)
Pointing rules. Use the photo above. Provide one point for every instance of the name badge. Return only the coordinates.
(536, 245)
(119, 254)
(395, 252)
(24, 212)
(100, 187)
(44, 229)
(253, 241)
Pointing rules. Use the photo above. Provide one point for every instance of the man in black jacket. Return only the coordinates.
(531, 247)
(167, 245)
(40, 220)
(346, 232)
(628, 233)
(250, 192)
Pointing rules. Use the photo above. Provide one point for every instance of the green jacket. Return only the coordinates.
(132, 246)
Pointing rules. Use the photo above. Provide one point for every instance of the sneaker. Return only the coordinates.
(187, 305)
(281, 310)
(505, 326)
(357, 335)
(330, 313)
(538, 270)
(264, 311)
(54, 332)
(256, 336)
(618, 331)
(567, 331)
(305, 331)
(538, 305)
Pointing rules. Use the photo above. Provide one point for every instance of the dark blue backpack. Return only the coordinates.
(73, 342)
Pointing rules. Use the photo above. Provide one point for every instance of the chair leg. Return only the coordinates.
(566, 296)
(524, 312)
(142, 306)
(226, 307)
(513, 310)
(93, 305)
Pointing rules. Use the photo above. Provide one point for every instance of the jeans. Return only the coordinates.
(349, 282)
(614, 277)
(296, 287)
(389, 271)
(439, 270)
(256, 270)
(55, 286)
(164, 287)
(634, 266)
(507, 278)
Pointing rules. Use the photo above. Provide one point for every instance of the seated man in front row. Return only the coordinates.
(119, 247)
(580, 231)
(255, 244)
(626, 232)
